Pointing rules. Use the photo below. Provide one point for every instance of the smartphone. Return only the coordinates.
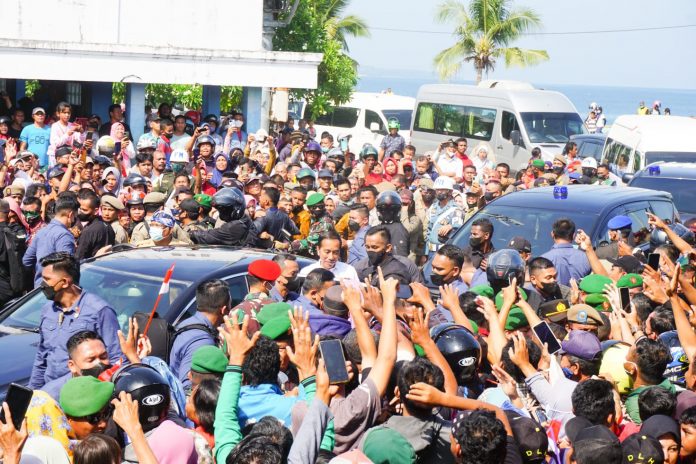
(625, 299)
(510, 277)
(126, 135)
(541, 416)
(117, 148)
(89, 135)
(654, 261)
(334, 360)
(18, 399)
(344, 144)
(544, 335)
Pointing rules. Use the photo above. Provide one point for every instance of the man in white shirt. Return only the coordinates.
(329, 251)
(448, 163)
(180, 138)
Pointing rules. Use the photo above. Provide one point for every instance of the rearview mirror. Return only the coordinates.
(626, 178)
(374, 127)
(516, 137)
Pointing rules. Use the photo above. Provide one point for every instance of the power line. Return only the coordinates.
(605, 31)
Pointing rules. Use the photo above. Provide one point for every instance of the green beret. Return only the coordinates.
(276, 327)
(499, 297)
(85, 395)
(598, 301)
(419, 350)
(538, 163)
(516, 319)
(630, 281)
(271, 311)
(315, 198)
(594, 283)
(383, 445)
(204, 200)
(482, 290)
(474, 326)
(209, 360)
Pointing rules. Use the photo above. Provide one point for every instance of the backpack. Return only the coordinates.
(162, 334)
(21, 277)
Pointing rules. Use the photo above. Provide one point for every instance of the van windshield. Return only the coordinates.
(552, 127)
(675, 156)
(404, 117)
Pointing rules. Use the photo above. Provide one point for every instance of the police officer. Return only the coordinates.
(619, 231)
(444, 216)
(389, 211)
(321, 222)
(236, 228)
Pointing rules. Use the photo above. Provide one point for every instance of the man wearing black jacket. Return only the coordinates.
(95, 233)
(275, 226)
(380, 254)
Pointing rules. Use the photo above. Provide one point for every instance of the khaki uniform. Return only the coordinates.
(142, 233)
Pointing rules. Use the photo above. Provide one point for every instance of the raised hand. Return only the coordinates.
(424, 393)
(419, 328)
(304, 355)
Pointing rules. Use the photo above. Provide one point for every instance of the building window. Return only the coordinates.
(73, 93)
(3, 85)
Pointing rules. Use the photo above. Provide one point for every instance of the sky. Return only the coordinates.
(656, 59)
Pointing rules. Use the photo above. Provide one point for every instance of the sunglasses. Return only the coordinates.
(98, 417)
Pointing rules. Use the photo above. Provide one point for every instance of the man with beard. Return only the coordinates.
(95, 233)
(378, 243)
(321, 222)
(543, 284)
(60, 279)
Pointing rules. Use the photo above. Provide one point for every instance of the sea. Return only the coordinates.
(614, 101)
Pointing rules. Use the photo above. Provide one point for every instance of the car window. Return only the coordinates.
(455, 120)
(637, 156)
(370, 117)
(665, 210)
(340, 116)
(639, 219)
(617, 156)
(590, 149)
(238, 288)
(509, 123)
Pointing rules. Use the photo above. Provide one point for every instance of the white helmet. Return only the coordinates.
(106, 146)
(145, 143)
(594, 106)
(589, 162)
(443, 183)
(179, 156)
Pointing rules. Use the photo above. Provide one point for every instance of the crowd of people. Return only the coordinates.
(464, 371)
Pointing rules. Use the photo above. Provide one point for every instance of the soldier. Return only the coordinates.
(321, 222)
(262, 276)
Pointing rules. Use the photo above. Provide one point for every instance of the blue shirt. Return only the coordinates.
(460, 286)
(186, 344)
(307, 305)
(264, 400)
(357, 250)
(570, 263)
(37, 140)
(52, 238)
(89, 312)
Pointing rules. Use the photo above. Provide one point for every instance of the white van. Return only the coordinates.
(365, 118)
(512, 117)
(635, 141)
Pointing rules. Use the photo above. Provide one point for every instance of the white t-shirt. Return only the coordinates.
(341, 271)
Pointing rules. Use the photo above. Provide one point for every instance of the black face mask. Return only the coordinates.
(442, 196)
(475, 242)
(558, 170)
(437, 279)
(375, 257)
(428, 197)
(589, 172)
(83, 217)
(318, 212)
(488, 196)
(297, 209)
(94, 371)
(354, 226)
(550, 288)
(293, 285)
(603, 177)
(48, 291)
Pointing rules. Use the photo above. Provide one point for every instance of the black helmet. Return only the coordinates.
(134, 180)
(148, 388)
(659, 237)
(388, 207)
(230, 200)
(205, 139)
(502, 266)
(460, 348)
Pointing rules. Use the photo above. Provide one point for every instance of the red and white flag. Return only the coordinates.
(165, 284)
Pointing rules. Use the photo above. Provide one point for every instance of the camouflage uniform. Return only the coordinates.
(308, 246)
(251, 306)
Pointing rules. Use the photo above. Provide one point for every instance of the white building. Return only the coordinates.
(79, 48)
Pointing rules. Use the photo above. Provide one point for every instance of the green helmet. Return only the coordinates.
(394, 123)
(305, 172)
(368, 150)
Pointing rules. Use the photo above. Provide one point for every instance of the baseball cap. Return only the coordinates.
(658, 425)
(530, 437)
(333, 302)
(583, 345)
(641, 448)
(520, 244)
(325, 173)
(38, 109)
(630, 264)
(443, 183)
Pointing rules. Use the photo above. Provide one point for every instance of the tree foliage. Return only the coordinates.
(188, 96)
(319, 27)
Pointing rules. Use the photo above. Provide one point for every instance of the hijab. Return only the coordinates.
(386, 161)
(45, 418)
(217, 173)
(114, 171)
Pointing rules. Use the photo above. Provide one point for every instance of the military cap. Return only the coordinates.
(560, 159)
(204, 200)
(276, 327)
(85, 395)
(114, 202)
(538, 163)
(264, 269)
(482, 290)
(154, 198)
(619, 222)
(598, 301)
(594, 283)
(426, 183)
(271, 311)
(209, 360)
(499, 297)
(630, 281)
(315, 198)
(516, 319)
(584, 314)
(554, 310)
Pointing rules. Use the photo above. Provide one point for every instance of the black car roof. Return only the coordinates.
(671, 170)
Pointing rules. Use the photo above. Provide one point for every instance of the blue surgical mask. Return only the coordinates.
(156, 234)
(568, 373)
(324, 149)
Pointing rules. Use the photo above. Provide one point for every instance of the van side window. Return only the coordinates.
(455, 120)
(370, 117)
(340, 116)
(589, 149)
(636, 161)
(617, 156)
(509, 124)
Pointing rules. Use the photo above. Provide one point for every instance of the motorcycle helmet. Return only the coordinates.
(502, 266)
(368, 150)
(148, 388)
(179, 156)
(134, 180)
(205, 139)
(389, 207)
(659, 237)
(460, 348)
(230, 201)
(146, 143)
(135, 198)
(394, 123)
(106, 146)
(313, 146)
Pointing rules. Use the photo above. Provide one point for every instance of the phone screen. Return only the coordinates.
(18, 399)
(344, 144)
(335, 362)
(89, 135)
(654, 261)
(544, 334)
(117, 148)
(625, 299)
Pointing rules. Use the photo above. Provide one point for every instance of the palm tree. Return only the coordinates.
(340, 27)
(485, 31)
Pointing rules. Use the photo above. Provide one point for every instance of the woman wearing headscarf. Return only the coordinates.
(222, 165)
(45, 418)
(111, 181)
(391, 168)
(127, 153)
(484, 161)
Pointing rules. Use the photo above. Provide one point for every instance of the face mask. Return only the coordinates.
(82, 217)
(428, 197)
(94, 371)
(177, 168)
(156, 234)
(488, 196)
(475, 242)
(558, 170)
(354, 226)
(31, 217)
(442, 196)
(437, 279)
(48, 291)
(293, 285)
(318, 212)
(375, 257)
(602, 177)
(568, 373)
(589, 172)
(297, 209)
(324, 149)
(550, 288)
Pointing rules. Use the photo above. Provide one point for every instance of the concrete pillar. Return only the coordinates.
(211, 100)
(252, 108)
(135, 109)
(101, 99)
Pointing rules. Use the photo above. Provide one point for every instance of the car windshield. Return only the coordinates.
(126, 292)
(683, 190)
(404, 117)
(552, 127)
(512, 221)
(667, 156)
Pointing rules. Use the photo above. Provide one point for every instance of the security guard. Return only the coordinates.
(236, 228)
(444, 216)
(321, 222)
(619, 231)
(388, 207)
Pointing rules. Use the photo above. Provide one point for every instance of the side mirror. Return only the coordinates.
(626, 178)
(374, 127)
(516, 137)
